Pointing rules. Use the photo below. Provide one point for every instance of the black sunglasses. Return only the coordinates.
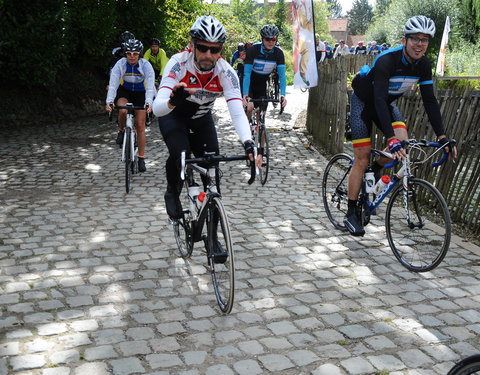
(203, 48)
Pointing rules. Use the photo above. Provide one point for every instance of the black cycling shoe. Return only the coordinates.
(219, 254)
(119, 140)
(173, 204)
(141, 165)
(354, 223)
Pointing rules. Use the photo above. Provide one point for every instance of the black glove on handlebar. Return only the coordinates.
(249, 147)
(179, 96)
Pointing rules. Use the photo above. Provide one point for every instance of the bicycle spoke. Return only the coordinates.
(182, 231)
(418, 233)
(335, 189)
(221, 262)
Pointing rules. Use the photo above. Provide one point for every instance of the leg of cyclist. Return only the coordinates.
(122, 119)
(400, 130)
(361, 125)
(175, 134)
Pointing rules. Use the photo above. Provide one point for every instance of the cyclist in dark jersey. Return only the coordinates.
(374, 91)
(261, 60)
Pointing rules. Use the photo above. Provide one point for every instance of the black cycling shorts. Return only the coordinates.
(361, 117)
(137, 98)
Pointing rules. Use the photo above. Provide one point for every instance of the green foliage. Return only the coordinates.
(469, 20)
(359, 17)
(32, 49)
(463, 59)
(321, 12)
(334, 8)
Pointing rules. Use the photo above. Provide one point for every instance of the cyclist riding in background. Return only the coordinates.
(192, 80)
(118, 52)
(261, 60)
(157, 57)
(238, 60)
(374, 90)
(132, 80)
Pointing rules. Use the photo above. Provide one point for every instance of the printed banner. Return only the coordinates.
(304, 60)
(443, 47)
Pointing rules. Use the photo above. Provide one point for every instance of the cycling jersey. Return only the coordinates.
(140, 77)
(221, 80)
(390, 76)
(158, 61)
(259, 64)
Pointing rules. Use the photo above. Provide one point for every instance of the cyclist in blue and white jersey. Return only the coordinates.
(374, 91)
(192, 80)
(261, 60)
(132, 80)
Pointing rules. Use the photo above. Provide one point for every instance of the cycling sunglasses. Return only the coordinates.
(203, 48)
(132, 53)
(270, 39)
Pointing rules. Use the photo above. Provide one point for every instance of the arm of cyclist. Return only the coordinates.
(116, 75)
(149, 77)
(247, 74)
(282, 80)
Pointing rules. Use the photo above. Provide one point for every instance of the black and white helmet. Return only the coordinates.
(269, 31)
(126, 36)
(208, 29)
(133, 45)
(419, 24)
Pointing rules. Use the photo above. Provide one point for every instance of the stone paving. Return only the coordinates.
(91, 281)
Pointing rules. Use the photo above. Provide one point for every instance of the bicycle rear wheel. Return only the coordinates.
(128, 159)
(221, 264)
(335, 189)
(421, 240)
(262, 139)
(467, 366)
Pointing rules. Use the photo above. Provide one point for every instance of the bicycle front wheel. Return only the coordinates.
(128, 158)
(467, 366)
(263, 141)
(418, 226)
(335, 189)
(220, 254)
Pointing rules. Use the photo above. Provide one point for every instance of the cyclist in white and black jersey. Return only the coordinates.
(132, 80)
(374, 91)
(261, 60)
(191, 82)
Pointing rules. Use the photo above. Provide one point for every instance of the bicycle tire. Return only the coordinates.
(223, 273)
(467, 366)
(421, 245)
(128, 161)
(263, 133)
(335, 189)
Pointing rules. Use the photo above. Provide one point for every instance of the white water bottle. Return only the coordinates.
(193, 192)
(369, 181)
(382, 183)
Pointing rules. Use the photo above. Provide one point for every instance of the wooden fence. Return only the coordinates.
(459, 182)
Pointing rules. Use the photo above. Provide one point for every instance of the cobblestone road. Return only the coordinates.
(91, 283)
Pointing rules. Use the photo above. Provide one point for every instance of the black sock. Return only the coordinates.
(352, 204)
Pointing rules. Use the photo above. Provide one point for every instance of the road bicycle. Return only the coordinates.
(129, 146)
(467, 366)
(260, 135)
(417, 219)
(273, 89)
(204, 218)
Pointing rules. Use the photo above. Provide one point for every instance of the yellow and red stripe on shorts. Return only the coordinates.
(362, 142)
(399, 125)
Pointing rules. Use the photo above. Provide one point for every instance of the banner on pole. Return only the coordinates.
(443, 47)
(305, 73)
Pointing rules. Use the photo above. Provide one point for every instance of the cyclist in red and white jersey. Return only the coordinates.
(191, 82)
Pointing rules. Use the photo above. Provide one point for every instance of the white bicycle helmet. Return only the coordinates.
(208, 29)
(133, 45)
(419, 24)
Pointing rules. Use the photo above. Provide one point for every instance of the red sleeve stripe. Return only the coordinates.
(234, 99)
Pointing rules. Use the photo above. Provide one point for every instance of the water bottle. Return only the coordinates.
(369, 179)
(200, 199)
(382, 183)
(193, 192)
